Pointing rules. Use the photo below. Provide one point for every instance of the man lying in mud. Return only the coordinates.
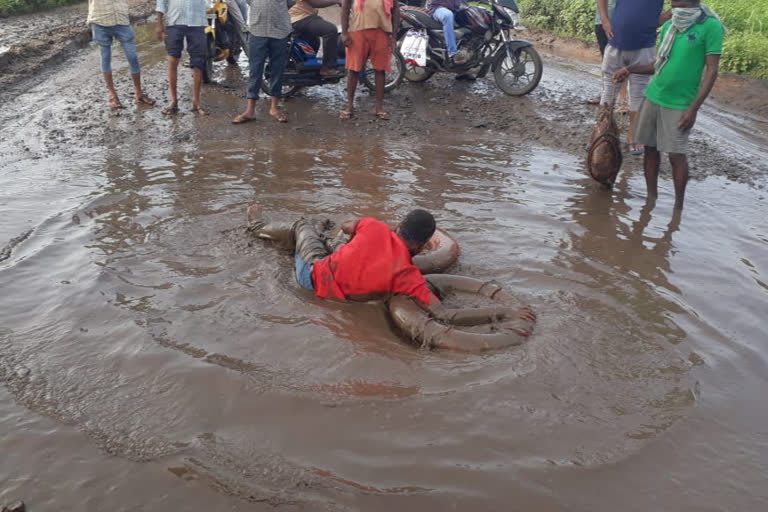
(374, 265)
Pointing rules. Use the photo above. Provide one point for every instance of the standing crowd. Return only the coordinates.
(667, 86)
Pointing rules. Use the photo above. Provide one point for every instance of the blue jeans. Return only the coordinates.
(103, 36)
(445, 16)
(260, 49)
(304, 273)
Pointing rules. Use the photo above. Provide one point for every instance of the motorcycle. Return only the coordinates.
(482, 33)
(226, 36)
(303, 69)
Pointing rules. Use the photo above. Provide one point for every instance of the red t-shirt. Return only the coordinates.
(375, 261)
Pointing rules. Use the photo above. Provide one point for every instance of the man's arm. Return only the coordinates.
(688, 119)
(602, 6)
(161, 7)
(320, 4)
(346, 6)
(640, 69)
(395, 22)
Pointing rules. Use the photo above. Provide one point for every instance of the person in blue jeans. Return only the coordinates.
(269, 26)
(177, 21)
(443, 11)
(109, 21)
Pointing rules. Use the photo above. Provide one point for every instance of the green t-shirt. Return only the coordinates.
(677, 85)
(611, 7)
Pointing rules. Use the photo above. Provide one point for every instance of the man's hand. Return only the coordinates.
(687, 120)
(620, 75)
(392, 42)
(526, 313)
(608, 29)
(160, 31)
(345, 40)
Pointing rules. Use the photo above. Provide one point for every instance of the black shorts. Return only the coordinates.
(602, 38)
(195, 36)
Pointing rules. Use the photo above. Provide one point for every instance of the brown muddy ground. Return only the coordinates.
(152, 358)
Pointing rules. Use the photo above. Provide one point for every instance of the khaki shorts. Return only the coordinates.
(657, 127)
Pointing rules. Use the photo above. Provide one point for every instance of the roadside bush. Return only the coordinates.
(745, 48)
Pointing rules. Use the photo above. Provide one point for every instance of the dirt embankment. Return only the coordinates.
(31, 41)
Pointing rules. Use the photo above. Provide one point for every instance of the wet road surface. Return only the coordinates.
(153, 358)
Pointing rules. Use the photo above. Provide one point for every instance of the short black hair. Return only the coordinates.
(418, 226)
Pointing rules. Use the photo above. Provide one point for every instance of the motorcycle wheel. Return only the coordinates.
(391, 79)
(286, 90)
(210, 54)
(521, 74)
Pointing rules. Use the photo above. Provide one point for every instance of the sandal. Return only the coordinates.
(197, 109)
(636, 149)
(279, 117)
(346, 114)
(242, 119)
(383, 116)
(114, 103)
(594, 101)
(170, 110)
(145, 100)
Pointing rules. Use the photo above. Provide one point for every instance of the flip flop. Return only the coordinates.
(114, 103)
(593, 101)
(170, 110)
(242, 119)
(280, 117)
(346, 114)
(145, 100)
(384, 116)
(636, 149)
(197, 109)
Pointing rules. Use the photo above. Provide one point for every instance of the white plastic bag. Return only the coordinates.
(414, 47)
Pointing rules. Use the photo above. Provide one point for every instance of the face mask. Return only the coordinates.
(685, 12)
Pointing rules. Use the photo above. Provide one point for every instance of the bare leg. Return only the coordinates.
(378, 78)
(631, 131)
(680, 176)
(140, 97)
(351, 88)
(173, 74)
(197, 74)
(651, 163)
(114, 102)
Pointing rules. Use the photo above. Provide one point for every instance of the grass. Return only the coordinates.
(10, 7)
(745, 47)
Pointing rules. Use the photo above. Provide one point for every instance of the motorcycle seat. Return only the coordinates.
(425, 19)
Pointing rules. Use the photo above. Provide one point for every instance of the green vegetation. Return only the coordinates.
(746, 45)
(8, 7)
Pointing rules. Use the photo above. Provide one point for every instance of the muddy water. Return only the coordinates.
(153, 358)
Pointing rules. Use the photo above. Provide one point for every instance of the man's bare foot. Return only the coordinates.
(143, 99)
(114, 103)
(254, 213)
(279, 116)
(170, 110)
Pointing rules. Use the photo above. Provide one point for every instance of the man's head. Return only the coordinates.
(416, 229)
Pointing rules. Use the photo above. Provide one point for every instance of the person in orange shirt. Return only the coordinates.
(368, 30)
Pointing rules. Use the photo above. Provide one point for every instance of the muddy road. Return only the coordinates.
(152, 358)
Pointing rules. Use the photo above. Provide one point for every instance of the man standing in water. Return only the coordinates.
(631, 32)
(368, 29)
(691, 45)
(109, 20)
(177, 21)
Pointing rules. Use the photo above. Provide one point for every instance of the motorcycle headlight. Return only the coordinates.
(515, 16)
